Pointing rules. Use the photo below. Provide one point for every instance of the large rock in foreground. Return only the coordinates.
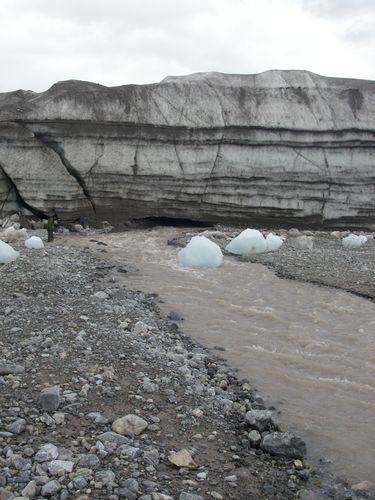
(284, 444)
(280, 146)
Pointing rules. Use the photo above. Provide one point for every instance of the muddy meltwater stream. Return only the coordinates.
(309, 349)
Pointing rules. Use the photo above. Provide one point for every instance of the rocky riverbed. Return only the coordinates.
(312, 256)
(103, 397)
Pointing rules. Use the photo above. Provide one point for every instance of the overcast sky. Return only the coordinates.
(115, 42)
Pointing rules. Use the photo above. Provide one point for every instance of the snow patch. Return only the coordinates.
(303, 242)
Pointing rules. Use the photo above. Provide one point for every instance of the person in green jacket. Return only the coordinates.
(50, 227)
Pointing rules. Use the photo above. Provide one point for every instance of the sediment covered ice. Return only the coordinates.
(34, 242)
(13, 233)
(7, 253)
(353, 241)
(302, 242)
(200, 252)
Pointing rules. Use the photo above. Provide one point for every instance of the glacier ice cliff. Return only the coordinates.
(288, 147)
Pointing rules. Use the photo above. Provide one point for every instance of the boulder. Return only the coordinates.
(129, 424)
(47, 453)
(51, 488)
(50, 398)
(182, 458)
(60, 467)
(17, 427)
(113, 437)
(10, 369)
(259, 420)
(284, 444)
(365, 489)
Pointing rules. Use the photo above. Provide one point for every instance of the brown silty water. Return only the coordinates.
(307, 348)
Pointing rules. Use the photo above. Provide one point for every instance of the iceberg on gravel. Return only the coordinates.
(200, 252)
(7, 253)
(273, 242)
(34, 242)
(353, 241)
(249, 242)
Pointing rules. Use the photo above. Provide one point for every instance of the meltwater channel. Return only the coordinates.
(308, 349)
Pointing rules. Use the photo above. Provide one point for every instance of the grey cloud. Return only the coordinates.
(359, 13)
(126, 14)
(338, 8)
(127, 41)
(103, 40)
(361, 32)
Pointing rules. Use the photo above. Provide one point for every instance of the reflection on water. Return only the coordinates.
(310, 347)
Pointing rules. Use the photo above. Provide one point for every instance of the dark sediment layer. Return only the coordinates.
(281, 147)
